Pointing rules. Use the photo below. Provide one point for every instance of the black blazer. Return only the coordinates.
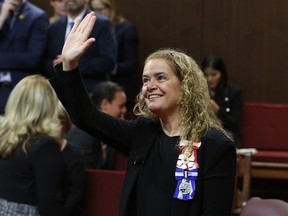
(216, 156)
(231, 102)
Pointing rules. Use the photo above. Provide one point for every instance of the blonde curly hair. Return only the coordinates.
(32, 109)
(196, 115)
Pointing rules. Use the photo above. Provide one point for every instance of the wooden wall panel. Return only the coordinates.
(250, 35)
(165, 24)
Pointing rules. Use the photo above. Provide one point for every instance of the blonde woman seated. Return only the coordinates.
(31, 163)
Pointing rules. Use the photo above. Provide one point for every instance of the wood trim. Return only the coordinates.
(269, 170)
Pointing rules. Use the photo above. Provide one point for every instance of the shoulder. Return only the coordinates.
(125, 27)
(102, 20)
(216, 147)
(59, 22)
(146, 122)
(214, 140)
(125, 24)
(233, 87)
(43, 143)
(34, 9)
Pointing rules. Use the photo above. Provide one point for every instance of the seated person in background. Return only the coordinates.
(58, 9)
(109, 98)
(31, 163)
(127, 44)
(226, 96)
(74, 186)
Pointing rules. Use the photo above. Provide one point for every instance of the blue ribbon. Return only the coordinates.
(185, 189)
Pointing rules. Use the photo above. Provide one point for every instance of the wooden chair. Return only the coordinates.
(243, 181)
(264, 127)
(103, 192)
(265, 207)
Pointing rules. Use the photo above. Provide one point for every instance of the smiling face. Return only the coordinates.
(161, 87)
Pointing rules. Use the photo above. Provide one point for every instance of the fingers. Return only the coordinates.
(75, 26)
(86, 25)
(88, 21)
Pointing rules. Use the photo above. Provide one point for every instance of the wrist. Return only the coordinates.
(69, 66)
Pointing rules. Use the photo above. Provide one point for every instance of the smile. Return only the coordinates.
(154, 96)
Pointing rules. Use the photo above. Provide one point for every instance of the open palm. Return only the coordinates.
(78, 41)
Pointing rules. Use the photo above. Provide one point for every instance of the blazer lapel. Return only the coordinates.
(18, 22)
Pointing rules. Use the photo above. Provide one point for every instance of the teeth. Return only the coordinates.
(154, 96)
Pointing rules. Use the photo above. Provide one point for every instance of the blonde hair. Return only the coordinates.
(66, 122)
(196, 115)
(115, 15)
(31, 110)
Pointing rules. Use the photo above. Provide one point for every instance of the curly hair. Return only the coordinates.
(31, 110)
(196, 115)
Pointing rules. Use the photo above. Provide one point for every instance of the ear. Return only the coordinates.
(104, 104)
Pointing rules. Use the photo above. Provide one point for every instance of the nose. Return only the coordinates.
(151, 85)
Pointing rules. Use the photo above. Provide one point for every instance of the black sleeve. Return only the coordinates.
(71, 91)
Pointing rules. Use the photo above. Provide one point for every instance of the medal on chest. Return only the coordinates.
(186, 171)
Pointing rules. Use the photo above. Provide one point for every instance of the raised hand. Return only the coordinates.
(78, 42)
(8, 6)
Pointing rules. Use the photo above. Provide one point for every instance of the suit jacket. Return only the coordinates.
(128, 57)
(216, 156)
(98, 61)
(22, 48)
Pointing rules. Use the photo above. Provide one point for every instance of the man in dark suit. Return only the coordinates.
(23, 33)
(110, 98)
(99, 61)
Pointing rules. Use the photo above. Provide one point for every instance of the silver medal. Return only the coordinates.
(185, 187)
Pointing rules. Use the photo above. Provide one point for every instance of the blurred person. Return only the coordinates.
(74, 186)
(226, 96)
(23, 34)
(181, 160)
(31, 163)
(128, 47)
(99, 61)
(110, 98)
(58, 10)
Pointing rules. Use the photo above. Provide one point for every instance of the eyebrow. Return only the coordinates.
(156, 74)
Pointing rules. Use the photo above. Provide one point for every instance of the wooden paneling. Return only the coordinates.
(250, 35)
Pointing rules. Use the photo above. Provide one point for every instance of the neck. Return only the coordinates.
(75, 13)
(170, 126)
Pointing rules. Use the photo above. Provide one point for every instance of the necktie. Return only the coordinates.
(71, 25)
(68, 29)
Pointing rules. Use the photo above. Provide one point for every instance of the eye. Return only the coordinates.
(161, 77)
(145, 80)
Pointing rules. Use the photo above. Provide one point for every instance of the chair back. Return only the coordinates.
(103, 192)
(242, 182)
(264, 126)
(265, 207)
